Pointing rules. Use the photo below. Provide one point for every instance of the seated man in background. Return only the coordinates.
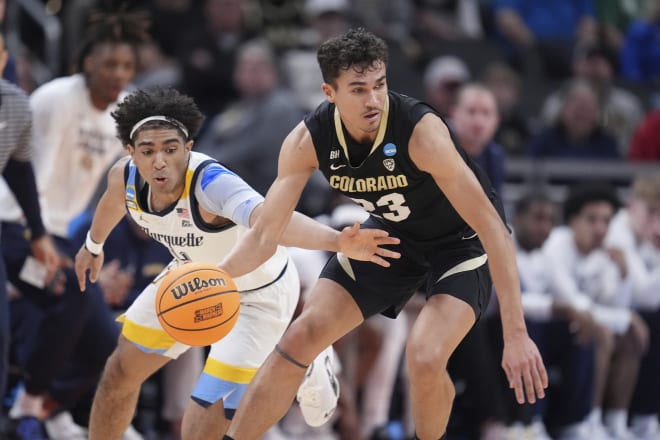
(636, 230)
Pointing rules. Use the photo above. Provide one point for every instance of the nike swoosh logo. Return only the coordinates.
(335, 167)
(470, 237)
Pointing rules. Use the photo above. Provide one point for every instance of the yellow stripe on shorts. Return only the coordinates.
(228, 372)
(151, 338)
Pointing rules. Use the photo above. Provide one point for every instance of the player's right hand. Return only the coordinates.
(86, 261)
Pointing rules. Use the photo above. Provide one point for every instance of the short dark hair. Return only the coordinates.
(159, 101)
(529, 199)
(120, 26)
(356, 49)
(582, 194)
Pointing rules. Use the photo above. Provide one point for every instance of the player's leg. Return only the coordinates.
(143, 348)
(457, 298)
(117, 393)
(441, 325)
(329, 313)
(233, 361)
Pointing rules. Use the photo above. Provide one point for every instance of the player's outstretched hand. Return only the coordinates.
(86, 261)
(524, 368)
(365, 244)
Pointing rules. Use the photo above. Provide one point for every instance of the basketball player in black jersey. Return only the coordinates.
(394, 156)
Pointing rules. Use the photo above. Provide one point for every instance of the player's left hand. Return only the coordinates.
(365, 244)
(524, 368)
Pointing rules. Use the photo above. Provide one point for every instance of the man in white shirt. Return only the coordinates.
(635, 230)
(588, 276)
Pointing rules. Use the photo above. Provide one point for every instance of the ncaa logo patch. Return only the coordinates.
(130, 192)
(389, 149)
(389, 164)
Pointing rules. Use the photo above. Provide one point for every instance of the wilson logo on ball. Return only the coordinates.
(196, 284)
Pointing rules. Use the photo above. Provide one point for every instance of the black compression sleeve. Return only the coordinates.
(20, 178)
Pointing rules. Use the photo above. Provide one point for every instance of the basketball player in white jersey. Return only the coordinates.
(199, 209)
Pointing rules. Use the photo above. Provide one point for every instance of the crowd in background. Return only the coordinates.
(537, 79)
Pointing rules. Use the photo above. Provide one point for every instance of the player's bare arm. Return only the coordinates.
(433, 151)
(296, 164)
(109, 211)
(275, 222)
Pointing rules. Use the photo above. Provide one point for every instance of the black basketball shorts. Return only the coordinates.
(459, 270)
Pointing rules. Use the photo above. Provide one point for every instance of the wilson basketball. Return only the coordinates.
(197, 304)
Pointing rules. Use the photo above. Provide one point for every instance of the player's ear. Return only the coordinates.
(189, 145)
(328, 91)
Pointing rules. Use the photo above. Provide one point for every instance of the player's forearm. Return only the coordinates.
(504, 271)
(248, 254)
(307, 233)
(107, 215)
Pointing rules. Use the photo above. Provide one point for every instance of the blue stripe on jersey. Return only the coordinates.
(132, 171)
(212, 172)
(211, 389)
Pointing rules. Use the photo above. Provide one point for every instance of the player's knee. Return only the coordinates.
(425, 359)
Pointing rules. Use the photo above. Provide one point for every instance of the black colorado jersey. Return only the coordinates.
(387, 183)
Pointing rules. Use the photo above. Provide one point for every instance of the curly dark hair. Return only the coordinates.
(120, 26)
(357, 49)
(159, 101)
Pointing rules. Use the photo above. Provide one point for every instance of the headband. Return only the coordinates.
(167, 119)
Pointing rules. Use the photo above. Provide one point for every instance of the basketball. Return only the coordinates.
(197, 304)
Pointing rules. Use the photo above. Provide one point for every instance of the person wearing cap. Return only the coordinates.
(635, 229)
(443, 77)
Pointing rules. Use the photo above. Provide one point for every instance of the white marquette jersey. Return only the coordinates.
(591, 281)
(643, 262)
(182, 230)
(73, 145)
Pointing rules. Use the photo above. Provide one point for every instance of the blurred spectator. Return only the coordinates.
(155, 68)
(614, 17)
(446, 20)
(390, 19)
(636, 230)
(578, 132)
(590, 276)
(246, 136)
(474, 121)
(323, 19)
(621, 110)
(75, 141)
(640, 54)
(545, 31)
(645, 143)
(514, 128)
(443, 78)
(208, 53)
